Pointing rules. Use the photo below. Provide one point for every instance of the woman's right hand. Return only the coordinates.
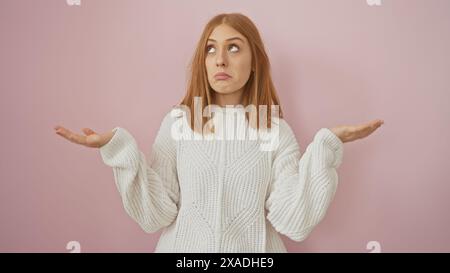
(90, 139)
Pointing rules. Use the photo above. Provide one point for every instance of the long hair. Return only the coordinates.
(259, 89)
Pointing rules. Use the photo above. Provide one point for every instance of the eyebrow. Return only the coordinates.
(233, 38)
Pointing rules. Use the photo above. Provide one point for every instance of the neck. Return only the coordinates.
(234, 98)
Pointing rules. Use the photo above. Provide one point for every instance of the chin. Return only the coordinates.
(222, 91)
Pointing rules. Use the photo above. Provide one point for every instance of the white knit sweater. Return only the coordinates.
(225, 195)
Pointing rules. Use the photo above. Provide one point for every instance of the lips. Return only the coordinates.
(222, 76)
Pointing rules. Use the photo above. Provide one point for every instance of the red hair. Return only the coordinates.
(259, 89)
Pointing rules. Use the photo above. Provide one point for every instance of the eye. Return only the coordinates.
(235, 46)
(208, 48)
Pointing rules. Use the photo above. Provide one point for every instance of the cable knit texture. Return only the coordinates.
(225, 195)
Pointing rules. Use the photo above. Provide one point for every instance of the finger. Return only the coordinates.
(372, 123)
(372, 127)
(60, 130)
(69, 135)
(88, 131)
(377, 123)
(362, 127)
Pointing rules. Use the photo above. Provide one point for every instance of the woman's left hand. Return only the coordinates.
(349, 133)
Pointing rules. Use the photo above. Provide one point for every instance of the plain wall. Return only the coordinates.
(124, 63)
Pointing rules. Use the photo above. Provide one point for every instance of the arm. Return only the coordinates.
(149, 190)
(302, 188)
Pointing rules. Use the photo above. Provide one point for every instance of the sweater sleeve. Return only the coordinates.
(302, 188)
(149, 190)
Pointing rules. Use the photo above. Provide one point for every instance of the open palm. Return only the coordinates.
(89, 139)
(349, 133)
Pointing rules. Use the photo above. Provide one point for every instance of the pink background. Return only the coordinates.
(123, 63)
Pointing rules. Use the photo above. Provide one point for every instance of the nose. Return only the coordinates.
(221, 59)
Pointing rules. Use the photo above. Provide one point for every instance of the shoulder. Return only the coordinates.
(286, 133)
(169, 118)
(282, 136)
(164, 138)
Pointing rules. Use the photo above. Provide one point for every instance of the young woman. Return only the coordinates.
(216, 194)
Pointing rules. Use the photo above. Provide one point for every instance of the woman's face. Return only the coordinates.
(228, 51)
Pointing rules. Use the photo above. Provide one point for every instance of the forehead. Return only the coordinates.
(223, 32)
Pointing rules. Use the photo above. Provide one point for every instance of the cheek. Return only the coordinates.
(209, 66)
(244, 64)
(243, 69)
